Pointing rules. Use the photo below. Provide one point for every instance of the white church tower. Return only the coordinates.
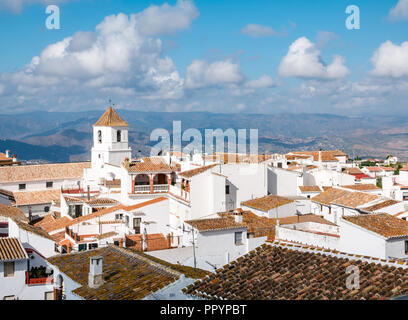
(110, 140)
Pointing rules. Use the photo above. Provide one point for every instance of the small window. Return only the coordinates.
(406, 247)
(92, 246)
(119, 216)
(100, 136)
(238, 238)
(329, 210)
(8, 269)
(82, 247)
(119, 136)
(46, 209)
(49, 295)
(49, 184)
(227, 189)
(21, 186)
(9, 298)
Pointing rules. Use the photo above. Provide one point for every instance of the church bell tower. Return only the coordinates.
(110, 140)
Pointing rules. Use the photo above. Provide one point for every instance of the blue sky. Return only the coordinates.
(205, 61)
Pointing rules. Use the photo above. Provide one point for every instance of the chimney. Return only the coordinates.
(320, 156)
(8, 153)
(238, 218)
(14, 158)
(95, 276)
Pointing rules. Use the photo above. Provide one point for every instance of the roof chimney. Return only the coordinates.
(95, 276)
(8, 153)
(238, 218)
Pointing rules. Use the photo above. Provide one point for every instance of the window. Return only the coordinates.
(46, 209)
(329, 210)
(406, 246)
(8, 269)
(82, 247)
(92, 246)
(238, 238)
(118, 136)
(49, 295)
(100, 136)
(21, 186)
(119, 216)
(227, 189)
(9, 298)
(49, 184)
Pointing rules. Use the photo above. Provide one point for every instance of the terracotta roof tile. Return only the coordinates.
(43, 172)
(266, 203)
(102, 201)
(362, 187)
(381, 223)
(150, 164)
(222, 223)
(327, 156)
(110, 119)
(36, 197)
(256, 225)
(194, 172)
(11, 249)
(310, 189)
(297, 273)
(355, 199)
(329, 195)
(127, 275)
(12, 212)
(381, 205)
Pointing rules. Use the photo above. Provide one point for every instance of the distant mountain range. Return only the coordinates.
(59, 136)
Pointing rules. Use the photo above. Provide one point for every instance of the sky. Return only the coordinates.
(224, 56)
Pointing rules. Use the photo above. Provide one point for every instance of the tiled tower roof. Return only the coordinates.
(111, 119)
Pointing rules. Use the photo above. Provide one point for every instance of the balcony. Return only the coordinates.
(37, 276)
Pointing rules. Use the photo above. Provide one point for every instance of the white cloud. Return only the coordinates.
(400, 11)
(115, 58)
(17, 5)
(391, 60)
(304, 60)
(166, 19)
(200, 74)
(264, 81)
(257, 31)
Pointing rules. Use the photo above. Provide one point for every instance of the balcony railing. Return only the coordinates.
(156, 188)
(34, 281)
(161, 188)
(142, 189)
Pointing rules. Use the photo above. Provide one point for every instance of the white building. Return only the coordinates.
(377, 235)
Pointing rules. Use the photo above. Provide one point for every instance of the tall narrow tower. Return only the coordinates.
(110, 140)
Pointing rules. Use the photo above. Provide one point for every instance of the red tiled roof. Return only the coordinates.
(194, 172)
(36, 197)
(290, 272)
(111, 119)
(222, 223)
(12, 212)
(267, 203)
(43, 172)
(310, 188)
(362, 187)
(355, 199)
(11, 249)
(151, 164)
(329, 195)
(381, 223)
